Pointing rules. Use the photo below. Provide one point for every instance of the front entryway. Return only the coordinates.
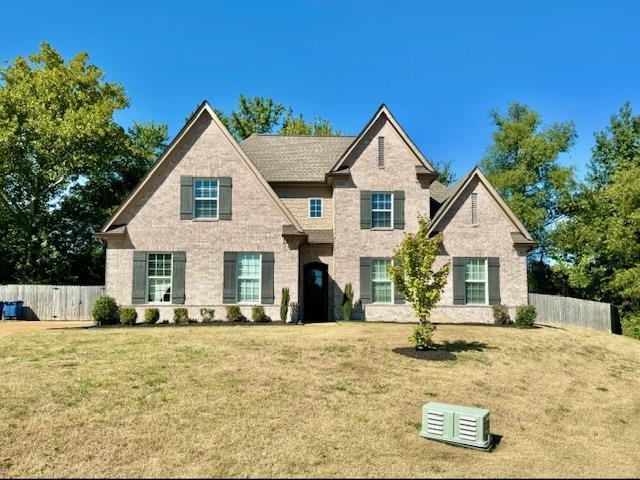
(315, 292)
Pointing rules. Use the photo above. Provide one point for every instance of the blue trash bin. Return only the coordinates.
(13, 310)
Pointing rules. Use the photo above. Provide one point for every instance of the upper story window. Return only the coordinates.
(381, 210)
(474, 208)
(315, 208)
(248, 277)
(159, 272)
(205, 198)
(476, 280)
(381, 152)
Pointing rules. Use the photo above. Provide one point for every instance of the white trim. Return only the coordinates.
(390, 281)
(147, 276)
(258, 302)
(486, 281)
(216, 198)
(390, 227)
(321, 207)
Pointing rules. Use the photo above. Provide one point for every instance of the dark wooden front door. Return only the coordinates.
(315, 292)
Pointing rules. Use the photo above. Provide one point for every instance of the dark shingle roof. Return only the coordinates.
(439, 192)
(282, 158)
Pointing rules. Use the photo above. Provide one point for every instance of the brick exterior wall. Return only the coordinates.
(153, 224)
(296, 198)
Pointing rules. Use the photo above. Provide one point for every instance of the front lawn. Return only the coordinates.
(332, 400)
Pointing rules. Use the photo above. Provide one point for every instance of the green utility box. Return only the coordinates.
(456, 424)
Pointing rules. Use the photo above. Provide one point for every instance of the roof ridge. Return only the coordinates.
(298, 136)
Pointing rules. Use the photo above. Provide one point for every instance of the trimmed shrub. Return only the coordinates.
(284, 304)
(526, 315)
(128, 316)
(207, 314)
(151, 315)
(258, 315)
(631, 326)
(347, 302)
(501, 315)
(422, 334)
(180, 315)
(106, 311)
(234, 314)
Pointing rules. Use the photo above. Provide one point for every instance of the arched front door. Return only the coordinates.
(315, 292)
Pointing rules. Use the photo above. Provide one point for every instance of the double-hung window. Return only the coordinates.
(381, 285)
(476, 281)
(315, 208)
(205, 198)
(159, 278)
(248, 277)
(381, 210)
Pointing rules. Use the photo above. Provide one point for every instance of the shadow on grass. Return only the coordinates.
(445, 351)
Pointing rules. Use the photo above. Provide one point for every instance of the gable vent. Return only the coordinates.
(474, 208)
(381, 152)
(456, 424)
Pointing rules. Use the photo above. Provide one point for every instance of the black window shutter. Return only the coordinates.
(459, 275)
(178, 281)
(139, 287)
(224, 192)
(266, 290)
(186, 197)
(365, 209)
(229, 278)
(398, 210)
(494, 280)
(365, 279)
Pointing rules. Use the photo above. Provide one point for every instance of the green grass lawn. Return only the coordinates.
(332, 400)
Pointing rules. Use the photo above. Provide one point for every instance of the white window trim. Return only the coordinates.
(216, 198)
(321, 207)
(392, 301)
(486, 281)
(390, 227)
(244, 302)
(148, 302)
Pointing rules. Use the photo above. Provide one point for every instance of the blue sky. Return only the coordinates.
(440, 67)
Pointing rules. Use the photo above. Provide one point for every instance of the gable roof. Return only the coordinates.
(455, 192)
(384, 111)
(204, 108)
(284, 158)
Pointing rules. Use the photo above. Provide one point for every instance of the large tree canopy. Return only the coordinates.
(522, 164)
(600, 241)
(56, 131)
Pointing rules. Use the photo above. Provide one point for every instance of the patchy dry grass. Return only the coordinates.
(334, 400)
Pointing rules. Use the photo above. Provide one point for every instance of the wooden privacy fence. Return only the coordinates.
(53, 302)
(556, 310)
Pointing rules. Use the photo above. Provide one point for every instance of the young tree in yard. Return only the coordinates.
(413, 275)
(522, 164)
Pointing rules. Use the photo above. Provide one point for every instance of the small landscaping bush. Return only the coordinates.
(128, 316)
(347, 302)
(501, 315)
(105, 311)
(180, 315)
(525, 315)
(234, 314)
(151, 315)
(207, 314)
(631, 326)
(422, 335)
(284, 304)
(258, 315)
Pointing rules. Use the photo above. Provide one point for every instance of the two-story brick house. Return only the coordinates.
(215, 223)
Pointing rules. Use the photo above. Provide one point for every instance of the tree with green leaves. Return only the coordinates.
(522, 164)
(446, 176)
(56, 132)
(413, 275)
(600, 241)
(262, 115)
